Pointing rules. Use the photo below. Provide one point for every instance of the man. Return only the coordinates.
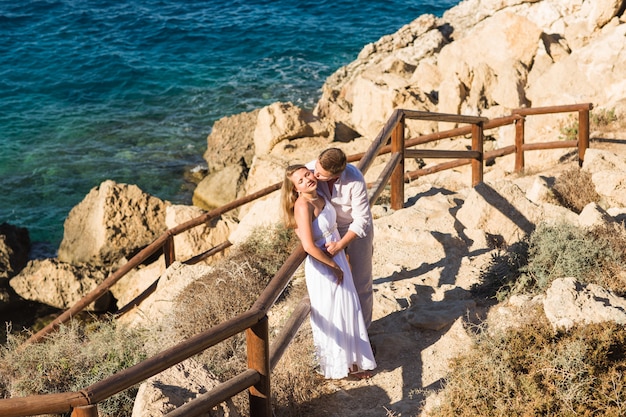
(344, 186)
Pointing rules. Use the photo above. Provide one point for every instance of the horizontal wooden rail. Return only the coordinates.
(443, 117)
(204, 402)
(436, 153)
(289, 331)
(214, 250)
(152, 288)
(568, 108)
(149, 367)
(35, 405)
(445, 134)
(550, 145)
(199, 405)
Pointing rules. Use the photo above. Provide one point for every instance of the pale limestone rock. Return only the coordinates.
(113, 221)
(491, 61)
(575, 79)
(600, 12)
(186, 245)
(200, 238)
(262, 213)
(593, 215)
(175, 387)
(608, 174)
(568, 302)
(231, 141)
(426, 313)
(59, 284)
(502, 209)
(599, 160)
(157, 309)
(220, 187)
(540, 191)
(285, 121)
(137, 281)
(512, 313)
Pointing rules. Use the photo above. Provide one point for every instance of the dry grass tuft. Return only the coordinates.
(534, 370)
(230, 289)
(71, 359)
(573, 189)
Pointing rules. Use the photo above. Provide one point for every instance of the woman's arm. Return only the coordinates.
(303, 213)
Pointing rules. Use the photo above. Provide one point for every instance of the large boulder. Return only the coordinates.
(231, 141)
(362, 94)
(574, 79)
(59, 284)
(484, 57)
(568, 302)
(490, 65)
(200, 238)
(220, 187)
(503, 210)
(186, 245)
(112, 222)
(608, 174)
(285, 121)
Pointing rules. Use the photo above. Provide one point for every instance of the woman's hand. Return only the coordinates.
(338, 273)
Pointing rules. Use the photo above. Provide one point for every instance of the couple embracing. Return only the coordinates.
(326, 202)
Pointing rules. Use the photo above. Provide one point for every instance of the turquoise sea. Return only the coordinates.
(101, 89)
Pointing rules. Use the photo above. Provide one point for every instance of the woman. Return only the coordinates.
(342, 345)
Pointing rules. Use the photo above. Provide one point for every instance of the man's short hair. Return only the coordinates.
(333, 160)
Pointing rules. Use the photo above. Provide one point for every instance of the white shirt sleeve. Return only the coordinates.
(351, 202)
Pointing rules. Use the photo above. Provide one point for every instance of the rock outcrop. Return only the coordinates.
(112, 222)
(485, 58)
(59, 284)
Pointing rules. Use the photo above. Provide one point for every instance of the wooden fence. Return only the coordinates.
(261, 356)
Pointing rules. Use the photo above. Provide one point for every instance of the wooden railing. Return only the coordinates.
(261, 357)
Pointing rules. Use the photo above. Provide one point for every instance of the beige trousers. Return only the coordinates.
(360, 252)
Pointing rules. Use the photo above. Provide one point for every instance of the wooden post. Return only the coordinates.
(257, 338)
(583, 134)
(168, 251)
(477, 145)
(86, 411)
(519, 144)
(397, 176)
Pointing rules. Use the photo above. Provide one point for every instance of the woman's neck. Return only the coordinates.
(310, 196)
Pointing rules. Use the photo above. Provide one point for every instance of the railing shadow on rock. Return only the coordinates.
(261, 357)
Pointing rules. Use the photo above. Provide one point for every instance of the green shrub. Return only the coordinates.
(565, 250)
(602, 117)
(598, 119)
(594, 255)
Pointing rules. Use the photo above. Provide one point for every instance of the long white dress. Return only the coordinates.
(339, 331)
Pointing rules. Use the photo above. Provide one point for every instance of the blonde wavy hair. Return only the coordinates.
(289, 195)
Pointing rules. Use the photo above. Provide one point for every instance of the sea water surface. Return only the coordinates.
(100, 89)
